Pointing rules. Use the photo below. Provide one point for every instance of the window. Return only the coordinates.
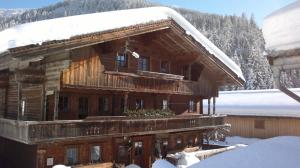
(144, 64)
(164, 67)
(259, 124)
(179, 142)
(96, 154)
(192, 107)
(72, 156)
(139, 104)
(83, 107)
(138, 146)
(191, 141)
(165, 104)
(185, 72)
(122, 60)
(103, 105)
(165, 142)
(122, 105)
(63, 104)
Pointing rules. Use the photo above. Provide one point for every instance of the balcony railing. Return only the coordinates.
(31, 132)
(140, 83)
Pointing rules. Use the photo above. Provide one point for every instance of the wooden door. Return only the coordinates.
(141, 151)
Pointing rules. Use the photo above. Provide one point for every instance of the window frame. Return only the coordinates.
(83, 109)
(139, 104)
(192, 106)
(63, 104)
(100, 153)
(144, 64)
(77, 160)
(122, 63)
(164, 69)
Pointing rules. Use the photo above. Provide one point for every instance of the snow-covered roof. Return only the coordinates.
(275, 152)
(67, 27)
(270, 102)
(281, 28)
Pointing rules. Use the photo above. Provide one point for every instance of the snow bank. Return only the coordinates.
(270, 102)
(275, 152)
(281, 29)
(67, 27)
(162, 164)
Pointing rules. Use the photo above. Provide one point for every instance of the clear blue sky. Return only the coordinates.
(260, 8)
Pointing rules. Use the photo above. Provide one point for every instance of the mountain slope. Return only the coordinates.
(238, 37)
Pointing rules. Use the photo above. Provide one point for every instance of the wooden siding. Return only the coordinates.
(32, 94)
(273, 126)
(2, 101)
(91, 67)
(12, 99)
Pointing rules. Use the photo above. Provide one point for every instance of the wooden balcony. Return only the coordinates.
(32, 132)
(141, 82)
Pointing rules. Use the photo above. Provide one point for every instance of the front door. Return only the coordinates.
(141, 151)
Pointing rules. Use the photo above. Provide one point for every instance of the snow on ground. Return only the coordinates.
(271, 102)
(61, 166)
(47, 30)
(278, 152)
(234, 141)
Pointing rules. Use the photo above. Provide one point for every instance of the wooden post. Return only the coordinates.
(214, 105)
(56, 101)
(125, 101)
(208, 106)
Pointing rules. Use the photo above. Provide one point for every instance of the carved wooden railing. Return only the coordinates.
(139, 83)
(32, 132)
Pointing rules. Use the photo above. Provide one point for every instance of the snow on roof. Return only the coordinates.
(270, 102)
(275, 152)
(281, 29)
(67, 27)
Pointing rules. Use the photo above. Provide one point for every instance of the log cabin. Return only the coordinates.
(73, 89)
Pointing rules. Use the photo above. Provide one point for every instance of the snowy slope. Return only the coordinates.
(281, 29)
(278, 152)
(67, 27)
(270, 102)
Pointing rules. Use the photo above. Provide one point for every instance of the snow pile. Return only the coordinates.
(162, 164)
(132, 166)
(67, 27)
(275, 152)
(186, 159)
(270, 102)
(281, 29)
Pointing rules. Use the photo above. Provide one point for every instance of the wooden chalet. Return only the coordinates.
(64, 99)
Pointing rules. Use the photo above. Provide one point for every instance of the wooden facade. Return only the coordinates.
(66, 98)
(263, 126)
